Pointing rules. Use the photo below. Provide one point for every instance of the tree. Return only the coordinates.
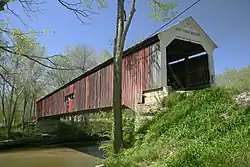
(106, 55)
(236, 79)
(78, 58)
(20, 89)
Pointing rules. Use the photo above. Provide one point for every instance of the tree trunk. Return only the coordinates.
(12, 117)
(9, 118)
(3, 105)
(24, 112)
(117, 91)
(31, 112)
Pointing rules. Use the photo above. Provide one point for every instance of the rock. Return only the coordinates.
(102, 165)
(243, 99)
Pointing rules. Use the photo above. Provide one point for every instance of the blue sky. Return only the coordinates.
(227, 22)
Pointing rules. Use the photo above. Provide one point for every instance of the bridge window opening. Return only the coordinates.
(187, 66)
(67, 99)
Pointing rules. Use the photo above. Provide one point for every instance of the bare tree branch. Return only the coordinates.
(6, 80)
(78, 9)
(33, 59)
(28, 6)
(15, 14)
(132, 12)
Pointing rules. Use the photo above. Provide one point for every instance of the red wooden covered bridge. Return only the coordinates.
(180, 57)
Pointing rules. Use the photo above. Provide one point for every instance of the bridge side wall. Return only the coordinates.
(141, 71)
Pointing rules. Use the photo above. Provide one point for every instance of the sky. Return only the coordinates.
(227, 22)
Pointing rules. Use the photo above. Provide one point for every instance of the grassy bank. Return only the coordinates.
(205, 128)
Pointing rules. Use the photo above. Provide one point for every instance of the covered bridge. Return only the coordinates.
(180, 57)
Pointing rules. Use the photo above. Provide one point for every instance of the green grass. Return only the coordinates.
(206, 128)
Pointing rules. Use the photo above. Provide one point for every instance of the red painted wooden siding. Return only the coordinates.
(96, 90)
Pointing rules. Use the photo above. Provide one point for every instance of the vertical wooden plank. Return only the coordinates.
(86, 94)
(58, 102)
(128, 78)
(93, 90)
(76, 96)
(104, 86)
(148, 68)
(134, 76)
(136, 82)
(64, 104)
(62, 101)
(48, 111)
(71, 90)
(83, 94)
(111, 69)
(96, 91)
(43, 108)
(107, 84)
(52, 105)
(140, 77)
(146, 73)
(99, 89)
(125, 80)
(48, 105)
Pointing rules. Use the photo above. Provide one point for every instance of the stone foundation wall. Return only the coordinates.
(152, 103)
(153, 97)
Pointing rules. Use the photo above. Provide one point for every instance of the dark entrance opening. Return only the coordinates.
(187, 66)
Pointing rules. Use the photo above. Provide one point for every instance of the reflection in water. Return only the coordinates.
(51, 157)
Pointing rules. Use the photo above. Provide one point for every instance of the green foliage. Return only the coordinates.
(106, 55)
(205, 128)
(90, 3)
(173, 99)
(128, 131)
(236, 79)
(161, 9)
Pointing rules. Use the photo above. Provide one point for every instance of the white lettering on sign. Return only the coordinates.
(188, 35)
(188, 32)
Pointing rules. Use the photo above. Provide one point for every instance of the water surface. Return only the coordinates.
(51, 157)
